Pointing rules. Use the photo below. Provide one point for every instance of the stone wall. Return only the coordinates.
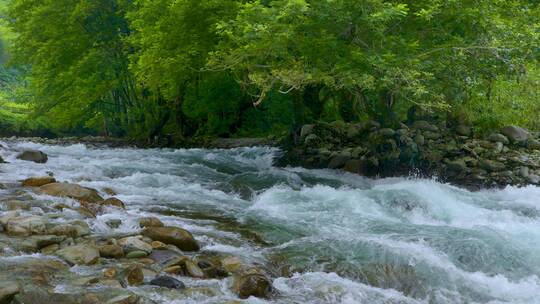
(510, 156)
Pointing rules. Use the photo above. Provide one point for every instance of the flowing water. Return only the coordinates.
(331, 237)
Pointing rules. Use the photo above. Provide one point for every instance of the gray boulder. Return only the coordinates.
(34, 156)
(497, 137)
(515, 134)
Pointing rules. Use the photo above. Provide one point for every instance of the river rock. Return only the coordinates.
(193, 269)
(4, 219)
(533, 144)
(2, 161)
(111, 251)
(515, 134)
(387, 132)
(8, 290)
(38, 181)
(232, 264)
(151, 221)
(132, 276)
(306, 130)
(114, 223)
(497, 137)
(252, 282)
(457, 166)
(79, 254)
(424, 126)
(167, 282)
(534, 179)
(34, 156)
(38, 242)
(339, 160)
(137, 254)
(491, 165)
(72, 191)
(311, 140)
(178, 237)
(113, 201)
(16, 205)
(125, 299)
(26, 225)
(74, 229)
(134, 243)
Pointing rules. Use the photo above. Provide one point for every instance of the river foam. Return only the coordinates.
(344, 238)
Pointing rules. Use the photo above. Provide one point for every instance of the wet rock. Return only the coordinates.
(533, 144)
(515, 134)
(173, 270)
(72, 191)
(132, 276)
(178, 237)
(74, 229)
(167, 282)
(26, 225)
(48, 250)
(125, 299)
(193, 270)
(534, 179)
(114, 223)
(38, 242)
(524, 172)
(111, 251)
(163, 256)
(457, 165)
(419, 139)
(252, 282)
(353, 166)
(134, 243)
(157, 245)
(497, 137)
(387, 132)
(64, 229)
(232, 264)
(79, 254)
(110, 272)
(109, 191)
(137, 254)
(311, 140)
(2, 161)
(34, 156)
(491, 166)
(146, 222)
(38, 181)
(306, 130)
(339, 160)
(7, 216)
(8, 290)
(424, 126)
(16, 205)
(113, 202)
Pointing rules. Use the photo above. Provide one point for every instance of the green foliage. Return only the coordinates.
(182, 68)
(508, 101)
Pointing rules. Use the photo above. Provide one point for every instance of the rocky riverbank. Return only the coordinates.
(47, 245)
(510, 156)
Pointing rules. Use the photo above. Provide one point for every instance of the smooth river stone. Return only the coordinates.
(178, 237)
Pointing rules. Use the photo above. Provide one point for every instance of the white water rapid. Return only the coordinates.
(335, 237)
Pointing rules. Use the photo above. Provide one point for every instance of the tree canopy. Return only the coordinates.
(150, 68)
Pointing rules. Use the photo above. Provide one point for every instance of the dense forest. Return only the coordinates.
(180, 69)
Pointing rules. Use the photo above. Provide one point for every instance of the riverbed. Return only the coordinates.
(326, 236)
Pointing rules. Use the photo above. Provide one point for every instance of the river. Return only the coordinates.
(329, 236)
